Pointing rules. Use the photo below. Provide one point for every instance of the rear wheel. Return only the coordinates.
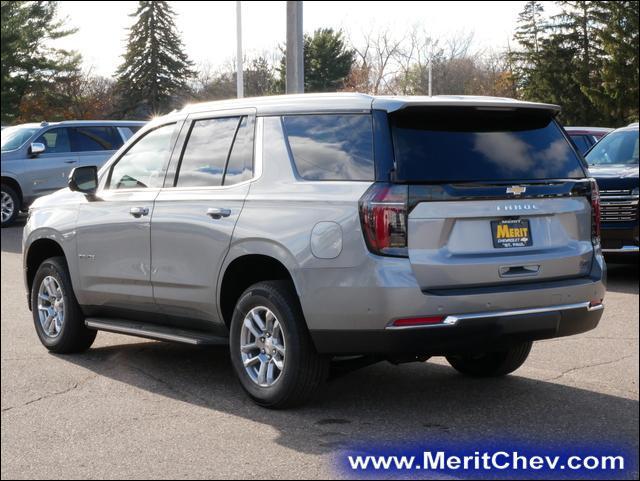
(57, 317)
(491, 364)
(10, 205)
(271, 350)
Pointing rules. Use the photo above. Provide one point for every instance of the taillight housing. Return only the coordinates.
(383, 214)
(595, 213)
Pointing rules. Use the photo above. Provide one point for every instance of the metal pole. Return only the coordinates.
(295, 47)
(430, 61)
(239, 72)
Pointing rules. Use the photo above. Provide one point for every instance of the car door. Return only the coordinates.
(94, 144)
(196, 212)
(113, 228)
(49, 171)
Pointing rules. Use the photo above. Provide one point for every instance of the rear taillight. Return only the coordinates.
(383, 214)
(595, 213)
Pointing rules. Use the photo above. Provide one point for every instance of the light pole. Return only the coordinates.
(295, 46)
(239, 72)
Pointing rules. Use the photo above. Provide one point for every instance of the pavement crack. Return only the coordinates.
(49, 395)
(586, 366)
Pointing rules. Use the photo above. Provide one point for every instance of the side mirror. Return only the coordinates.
(37, 148)
(84, 179)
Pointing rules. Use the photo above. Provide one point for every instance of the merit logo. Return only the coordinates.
(506, 232)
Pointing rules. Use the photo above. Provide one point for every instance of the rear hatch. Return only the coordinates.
(494, 196)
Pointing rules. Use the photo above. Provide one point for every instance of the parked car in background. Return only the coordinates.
(312, 226)
(613, 162)
(37, 158)
(586, 137)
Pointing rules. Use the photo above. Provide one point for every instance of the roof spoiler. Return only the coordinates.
(394, 104)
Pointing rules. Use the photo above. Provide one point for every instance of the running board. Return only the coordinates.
(152, 331)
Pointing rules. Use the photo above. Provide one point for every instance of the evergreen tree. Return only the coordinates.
(577, 28)
(526, 58)
(616, 94)
(155, 72)
(327, 61)
(28, 65)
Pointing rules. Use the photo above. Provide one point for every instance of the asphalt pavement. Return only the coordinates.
(142, 409)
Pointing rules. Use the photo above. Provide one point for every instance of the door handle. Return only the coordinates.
(70, 161)
(218, 212)
(138, 212)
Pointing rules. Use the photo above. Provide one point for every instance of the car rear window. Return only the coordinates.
(465, 144)
(331, 146)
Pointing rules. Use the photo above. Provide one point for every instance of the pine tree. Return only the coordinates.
(327, 61)
(616, 95)
(577, 28)
(155, 72)
(526, 58)
(29, 66)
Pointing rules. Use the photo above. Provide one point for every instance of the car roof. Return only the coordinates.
(589, 129)
(629, 127)
(63, 123)
(281, 104)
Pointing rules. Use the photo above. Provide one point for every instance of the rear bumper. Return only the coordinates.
(480, 331)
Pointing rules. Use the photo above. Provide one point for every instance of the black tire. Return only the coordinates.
(491, 364)
(304, 369)
(73, 336)
(17, 205)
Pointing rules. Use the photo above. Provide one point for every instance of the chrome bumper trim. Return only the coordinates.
(452, 320)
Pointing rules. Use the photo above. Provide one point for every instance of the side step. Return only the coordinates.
(152, 331)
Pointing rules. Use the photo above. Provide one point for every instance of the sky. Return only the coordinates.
(208, 28)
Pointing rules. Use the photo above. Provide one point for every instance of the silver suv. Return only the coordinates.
(37, 158)
(317, 228)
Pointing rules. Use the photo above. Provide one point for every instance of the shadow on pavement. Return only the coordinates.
(381, 404)
(12, 237)
(623, 277)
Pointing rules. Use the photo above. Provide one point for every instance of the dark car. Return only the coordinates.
(586, 137)
(613, 162)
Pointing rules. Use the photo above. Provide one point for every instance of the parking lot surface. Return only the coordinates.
(143, 409)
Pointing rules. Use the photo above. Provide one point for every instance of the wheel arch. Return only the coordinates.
(38, 251)
(248, 263)
(15, 185)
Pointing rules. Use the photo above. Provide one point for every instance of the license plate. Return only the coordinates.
(511, 233)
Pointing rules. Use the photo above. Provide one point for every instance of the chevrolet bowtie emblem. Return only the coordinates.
(516, 190)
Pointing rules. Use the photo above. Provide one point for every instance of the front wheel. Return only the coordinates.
(10, 205)
(491, 364)
(57, 317)
(271, 349)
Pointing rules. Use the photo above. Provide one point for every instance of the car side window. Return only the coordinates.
(94, 138)
(56, 141)
(240, 164)
(332, 146)
(144, 164)
(582, 142)
(217, 152)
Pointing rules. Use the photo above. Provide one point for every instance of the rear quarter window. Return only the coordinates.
(467, 145)
(331, 146)
(94, 138)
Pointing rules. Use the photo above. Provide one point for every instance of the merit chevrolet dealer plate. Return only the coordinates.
(511, 233)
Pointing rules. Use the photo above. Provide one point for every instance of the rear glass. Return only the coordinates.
(462, 144)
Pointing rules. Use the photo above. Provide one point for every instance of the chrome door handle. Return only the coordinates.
(138, 212)
(217, 212)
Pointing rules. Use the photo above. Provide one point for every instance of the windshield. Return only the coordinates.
(14, 137)
(616, 148)
(469, 145)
